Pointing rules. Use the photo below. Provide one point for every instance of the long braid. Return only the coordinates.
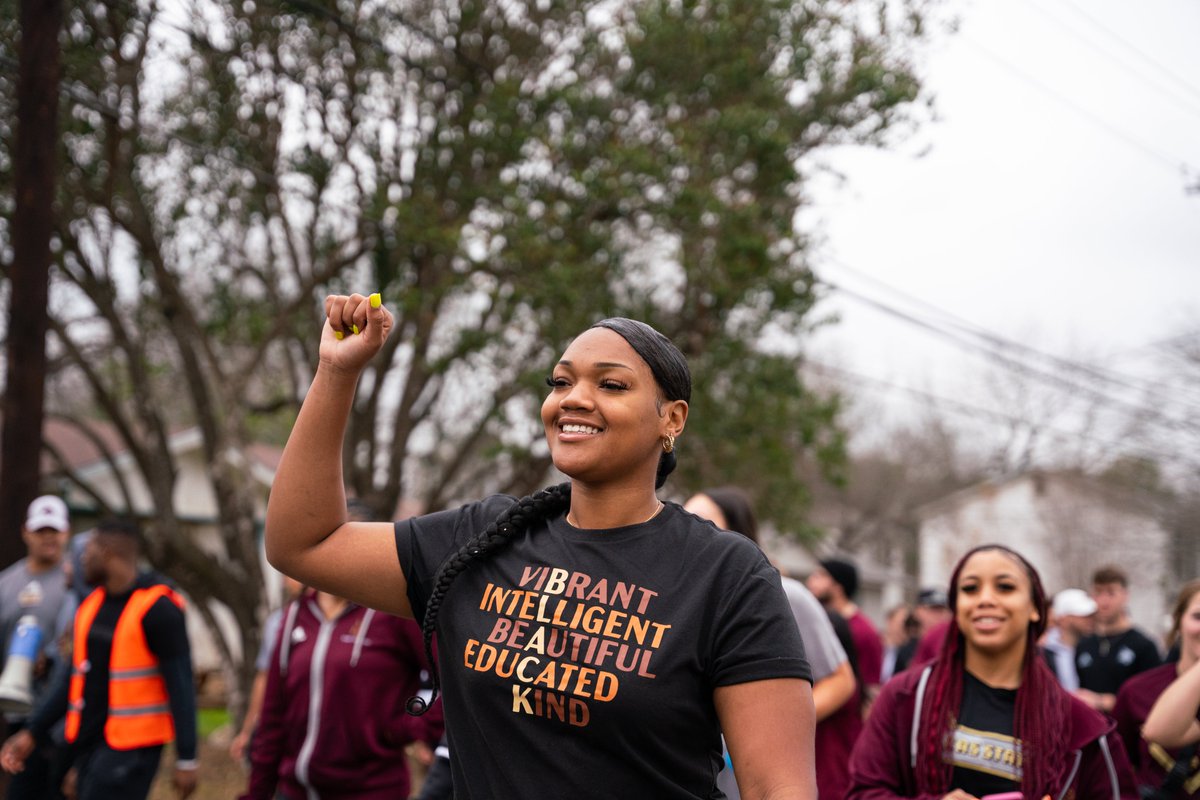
(944, 697)
(539, 506)
(1042, 724)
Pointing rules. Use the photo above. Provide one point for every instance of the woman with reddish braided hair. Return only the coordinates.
(988, 719)
(593, 640)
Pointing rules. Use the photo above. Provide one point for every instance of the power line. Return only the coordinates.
(1168, 73)
(1173, 94)
(990, 415)
(1151, 414)
(1177, 166)
(1107, 376)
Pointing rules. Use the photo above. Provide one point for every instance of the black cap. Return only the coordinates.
(933, 597)
(843, 573)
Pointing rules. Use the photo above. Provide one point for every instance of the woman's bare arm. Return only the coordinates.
(1172, 720)
(769, 728)
(834, 690)
(307, 534)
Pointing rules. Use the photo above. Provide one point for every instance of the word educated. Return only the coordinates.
(564, 640)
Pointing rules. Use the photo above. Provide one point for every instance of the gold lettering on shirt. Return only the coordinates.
(987, 752)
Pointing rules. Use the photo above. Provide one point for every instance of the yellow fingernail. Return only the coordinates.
(338, 335)
(354, 329)
(376, 300)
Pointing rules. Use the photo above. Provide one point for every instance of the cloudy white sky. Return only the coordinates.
(1046, 203)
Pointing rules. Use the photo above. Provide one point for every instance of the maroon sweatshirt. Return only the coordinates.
(881, 767)
(333, 719)
(1151, 762)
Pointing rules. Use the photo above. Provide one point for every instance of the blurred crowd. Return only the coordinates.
(327, 717)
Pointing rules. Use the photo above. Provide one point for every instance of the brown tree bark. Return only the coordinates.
(34, 181)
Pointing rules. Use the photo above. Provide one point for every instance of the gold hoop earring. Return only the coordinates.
(669, 443)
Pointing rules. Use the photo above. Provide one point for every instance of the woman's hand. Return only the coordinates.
(355, 330)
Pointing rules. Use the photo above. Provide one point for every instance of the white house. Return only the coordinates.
(1066, 524)
(194, 501)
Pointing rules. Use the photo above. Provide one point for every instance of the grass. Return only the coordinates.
(211, 719)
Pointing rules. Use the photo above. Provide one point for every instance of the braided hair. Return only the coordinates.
(1041, 718)
(674, 381)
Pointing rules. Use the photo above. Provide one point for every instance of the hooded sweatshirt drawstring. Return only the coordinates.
(285, 646)
(362, 635)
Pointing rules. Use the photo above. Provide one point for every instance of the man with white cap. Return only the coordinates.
(1071, 618)
(37, 585)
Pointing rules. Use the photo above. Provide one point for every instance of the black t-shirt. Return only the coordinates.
(1106, 662)
(583, 662)
(984, 752)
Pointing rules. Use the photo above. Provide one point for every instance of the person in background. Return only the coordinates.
(1117, 650)
(729, 508)
(1174, 720)
(1168, 770)
(901, 633)
(74, 560)
(239, 746)
(37, 585)
(332, 722)
(932, 609)
(933, 613)
(835, 583)
(987, 717)
(131, 690)
(838, 733)
(1070, 620)
(439, 781)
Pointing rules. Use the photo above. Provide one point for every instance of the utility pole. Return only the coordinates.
(33, 222)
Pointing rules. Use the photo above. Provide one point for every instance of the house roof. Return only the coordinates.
(1072, 480)
(82, 455)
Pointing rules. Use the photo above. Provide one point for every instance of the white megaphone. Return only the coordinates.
(16, 682)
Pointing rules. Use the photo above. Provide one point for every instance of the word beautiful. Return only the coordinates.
(566, 638)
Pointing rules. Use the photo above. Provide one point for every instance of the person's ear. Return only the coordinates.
(675, 414)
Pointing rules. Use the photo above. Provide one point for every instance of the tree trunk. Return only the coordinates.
(33, 218)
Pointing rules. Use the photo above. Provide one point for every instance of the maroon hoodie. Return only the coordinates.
(333, 723)
(1151, 762)
(881, 767)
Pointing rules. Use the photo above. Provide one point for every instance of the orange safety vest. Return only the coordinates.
(139, 714)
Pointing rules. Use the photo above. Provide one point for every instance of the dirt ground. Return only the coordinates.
(220, 777)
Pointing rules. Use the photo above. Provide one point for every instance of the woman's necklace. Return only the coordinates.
(657, 509)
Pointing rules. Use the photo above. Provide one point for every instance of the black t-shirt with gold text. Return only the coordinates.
(582, 663)
(985, 755)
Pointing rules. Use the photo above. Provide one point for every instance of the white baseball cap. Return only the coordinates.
(48, 511)
(1073, 603)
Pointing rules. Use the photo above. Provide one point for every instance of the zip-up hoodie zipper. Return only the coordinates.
(316, 678)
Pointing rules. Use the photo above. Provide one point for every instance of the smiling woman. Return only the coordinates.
(590, 607)
(988, 717)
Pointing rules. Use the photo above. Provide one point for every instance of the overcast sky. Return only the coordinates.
(1046, 203)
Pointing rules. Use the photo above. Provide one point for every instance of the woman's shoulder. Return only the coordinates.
(473, 513)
